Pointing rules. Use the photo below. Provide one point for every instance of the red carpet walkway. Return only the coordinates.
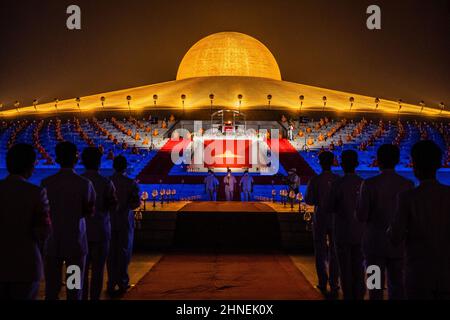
(291, 158)
(224, 276)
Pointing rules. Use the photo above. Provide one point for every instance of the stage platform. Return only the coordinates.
(250, 226)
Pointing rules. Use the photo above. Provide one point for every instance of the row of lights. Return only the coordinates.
(239, 96)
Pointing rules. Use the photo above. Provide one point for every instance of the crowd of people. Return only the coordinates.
(84, 222)
(382, 223)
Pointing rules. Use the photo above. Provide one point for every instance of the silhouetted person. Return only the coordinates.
(72, 199)
(347, 229)
(318, 195)
(230, 181)
(422, 221)
(293, 180)
(122, 228)
(376, 207)
(24, 226)
(246, 185)
(99, 225)
(211, 185)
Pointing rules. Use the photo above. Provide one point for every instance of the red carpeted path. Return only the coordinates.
(224, 277)
(159, 167)
(291, 158)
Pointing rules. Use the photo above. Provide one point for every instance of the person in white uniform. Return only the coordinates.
(72, 199)
(211, 185)
(122, 228)
(230, 182)
(347, 230)
(24, 225)
(422, 222)
(376, 207)
(246, 185)
(99, 225)
(318, 195)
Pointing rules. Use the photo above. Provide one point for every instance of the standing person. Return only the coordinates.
(376, 207)
(24, 226)
(293, 180)
(422, 222)
(99, 225)
(291, 132)
(72, 199)
(318, 195)
(229, 182)
(347, 229)
(122, 228)
(246, 185)
(211, 185)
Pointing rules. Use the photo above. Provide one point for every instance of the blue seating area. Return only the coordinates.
(413, 131)
(144, 138)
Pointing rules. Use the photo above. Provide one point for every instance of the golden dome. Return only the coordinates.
(228, 54)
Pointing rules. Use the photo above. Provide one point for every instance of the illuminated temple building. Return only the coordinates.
(222, 67)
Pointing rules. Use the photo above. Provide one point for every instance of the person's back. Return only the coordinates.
(127, 192)
(347, 229)
(72, 199)
(68, 193)
(318, 195)
(24, 226)
(376, 208)
(422, 221)
(99, 225)
(122, 228)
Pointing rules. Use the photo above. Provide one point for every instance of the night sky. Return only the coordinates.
(130, 43)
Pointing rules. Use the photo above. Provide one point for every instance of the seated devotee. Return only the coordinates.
(98, 226)
(310, 141)
(340, 142)
(124, 145)
(376, 207)
(308, 130)
(331, 147)
(300, 133)
(25, 225)
(146, 141)
(348, 138)
(318, 195)
(135, 150)
(122, 228)
(155, 132)
(137, 137)
(321, 138)
(347, 229)
(164, 125)
(422, 222)
(72, 199)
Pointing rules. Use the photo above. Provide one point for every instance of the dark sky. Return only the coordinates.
(124, 44)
